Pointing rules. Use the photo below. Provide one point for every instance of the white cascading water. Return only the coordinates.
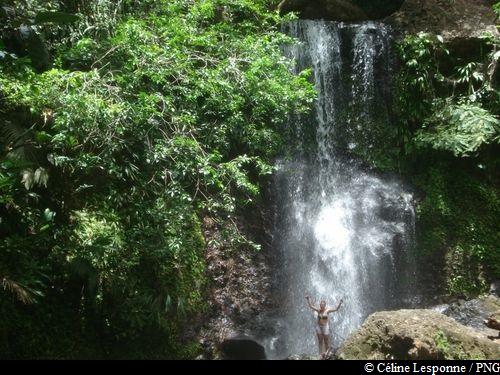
(342, 230)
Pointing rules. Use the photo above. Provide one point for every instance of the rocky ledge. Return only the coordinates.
(457, 19)
(417, 334)
(454, 20)
(333, 10)
(238, 290)
(475, 312)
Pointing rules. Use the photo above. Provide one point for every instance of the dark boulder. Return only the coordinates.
(377, 9)
(341, 10)
(333, 10)
(242, 348)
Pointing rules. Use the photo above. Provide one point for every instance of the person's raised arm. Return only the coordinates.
(338, 307)
(310, 304)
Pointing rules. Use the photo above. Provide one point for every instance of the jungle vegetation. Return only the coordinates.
(125, 123)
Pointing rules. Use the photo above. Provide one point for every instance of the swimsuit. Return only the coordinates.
(323, 329)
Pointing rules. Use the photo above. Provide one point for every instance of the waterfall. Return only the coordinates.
(342, 230)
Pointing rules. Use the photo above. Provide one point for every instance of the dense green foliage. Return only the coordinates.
(148, 116)
(449, 103)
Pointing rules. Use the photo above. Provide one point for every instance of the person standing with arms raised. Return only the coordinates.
(323, 328)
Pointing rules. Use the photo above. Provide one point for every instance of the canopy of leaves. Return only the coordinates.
(154, 115)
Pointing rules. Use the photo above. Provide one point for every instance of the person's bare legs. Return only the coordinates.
(326, 339)
(320, 343)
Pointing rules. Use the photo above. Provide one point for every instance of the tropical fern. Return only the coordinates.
(22, 292)
(16, 141)
(460, 128)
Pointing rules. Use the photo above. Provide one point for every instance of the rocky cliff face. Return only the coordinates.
(341, 10)
(238, 290)
(458, 19)
(333, 10)
(417, 334)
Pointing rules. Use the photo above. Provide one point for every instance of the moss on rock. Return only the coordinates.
(416, 334)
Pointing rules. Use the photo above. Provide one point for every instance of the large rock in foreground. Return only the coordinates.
(242, 348)
(416, 334)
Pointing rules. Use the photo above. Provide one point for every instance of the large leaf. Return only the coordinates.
(55, 17)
